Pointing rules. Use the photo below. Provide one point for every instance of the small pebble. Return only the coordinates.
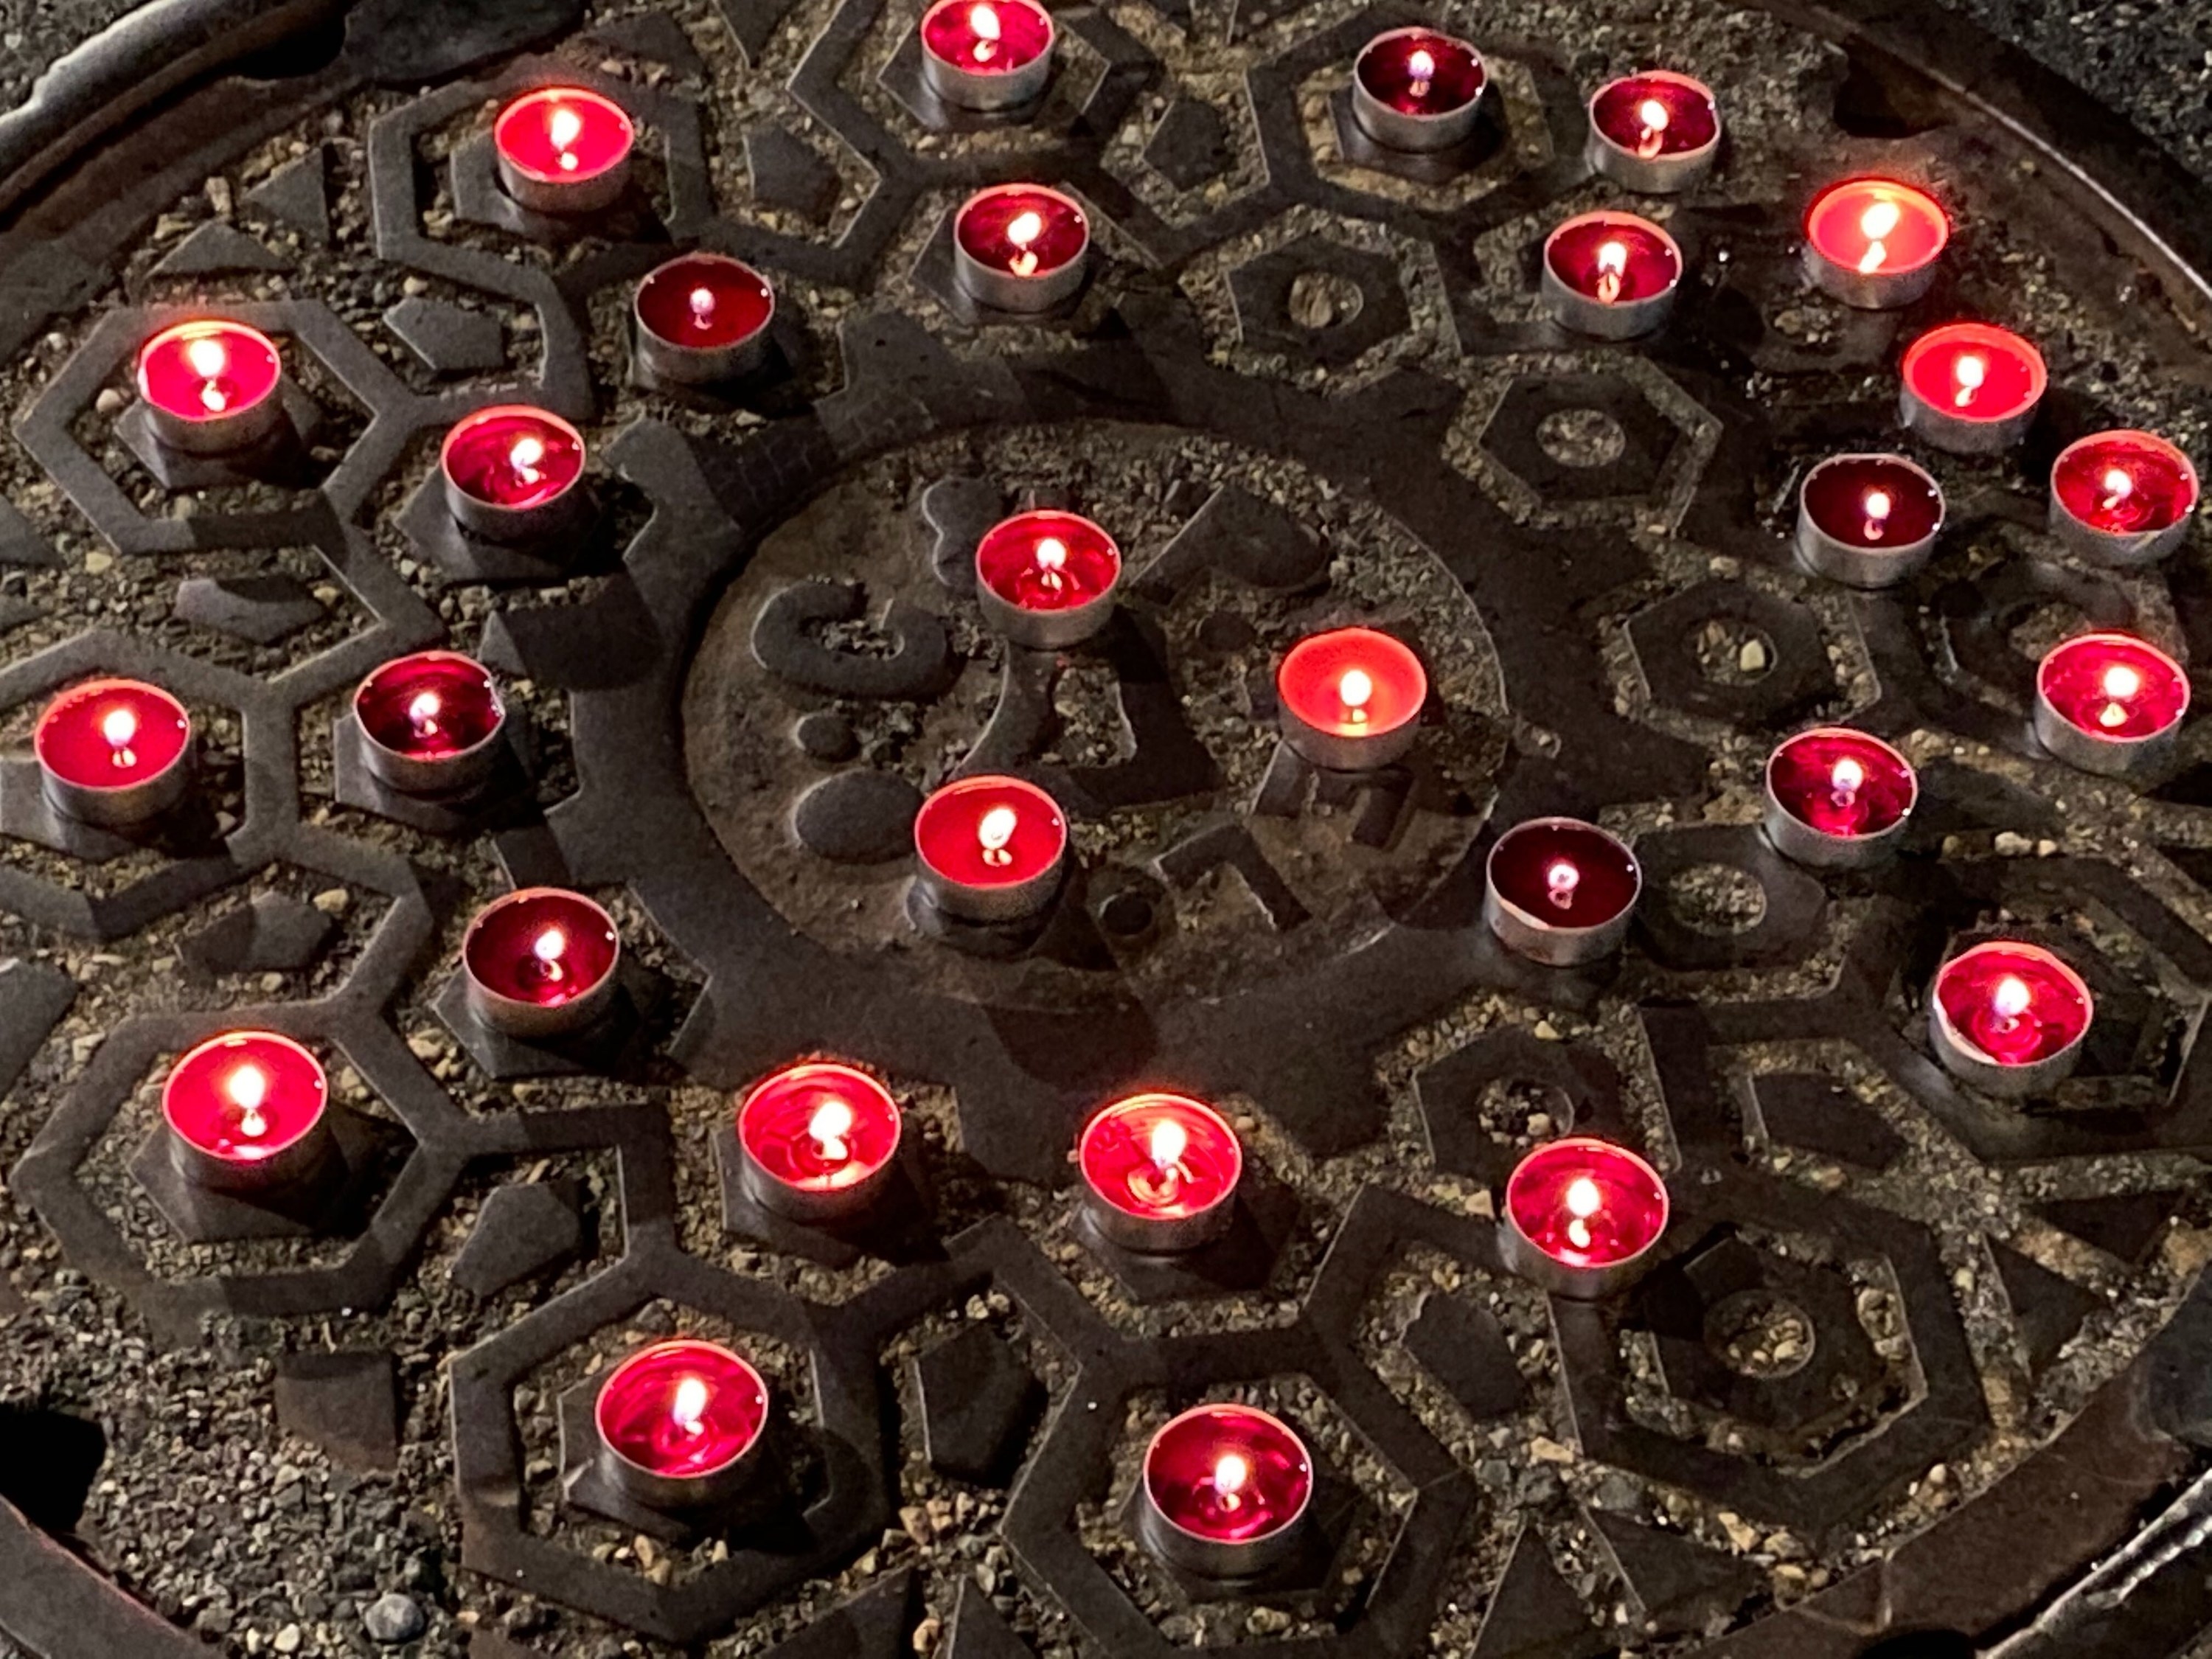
(392, 1618)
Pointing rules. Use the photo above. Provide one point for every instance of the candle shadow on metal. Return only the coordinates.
(899, 1224)
(504, 798)
(934, 271)
(189, 829)
(1486, 141)
(620, 1043)
(1335, 1514)
(1264, 1215)
(583, 543)
(332, 1198)
(635, 215)
(281, 456)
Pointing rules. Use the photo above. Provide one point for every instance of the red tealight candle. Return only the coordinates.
(2009, 1018)
(245, 1110)
(540, 963)
(702, 317)
(116, 753)
(562, 149)
(1874, 243)
(1838, 799)
(210, 386)
(990, 849)
(430, 723)
(2123, 497)
(679, 1423)
(1020, 247)
(1560, 892)
(1160, 1173)
(1971, 388)
(987, 54)
(1046, 580)
(1226, 1488)
(1581, 1215)
(511, 472)
(1415, 90)
(1868, 521)
(1611, 275)
(1351, 699)
(2108, 703)
(819, 1141)
(1655, 131)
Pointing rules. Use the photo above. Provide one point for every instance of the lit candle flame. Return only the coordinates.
(2118, 486)
(119, 726)
(1354, 691)
(1167, 1144)
(525, 456)
(1878, 507)
(1612, 269)
(2120, 685)
(2010, 998)
(993, 831)
(248, 1089)
(1583, 1200)
(549, 947)
(1023, 229)
(1560, 882)
(423, 713)
(1653, 114)
(208, 359)
(1231, 1474)
(1968, 373)
(984, 21)
(1421, 64)
(702, 307)
(1052, 560)
(830, 1126)
(562, 128)
(1881, 217)
(1845, 780)
(689, 1408)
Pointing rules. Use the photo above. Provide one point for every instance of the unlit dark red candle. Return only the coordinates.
(678, 1418)
(241, 1105)
(211, 385)
(821, 1137)
(563, 149)
(2125, 497)
(1351, 699)
(432, 720)
(1160, 1171)
(1874, 242)
(113, 752)
(702, 317)
(1223, 1483)
(990, 848)
(1046, 579)
(1655, 131)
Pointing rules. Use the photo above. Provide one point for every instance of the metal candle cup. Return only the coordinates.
(818, 1142)
(2122, 498)
(563, 149)
(1838, 799)
(211, 387)
(1560, 892)
(1225, 1492)
(1020, 247)
(115, 753)
(1874, 243)
(1581, 1216)
(2110, 703)
(246, 1111)
(510, 473)
(1351, 699)
(702, 318)
(1611, 275)
(1046, 580)
(987, 55)
(990, 849)
(2008, 1018)
(680, 1425)
(1868, 521)
(540, 963)
(1971, 389)
(1415, 90)
(1657, 131)
(430, 723)
(1160, 1173)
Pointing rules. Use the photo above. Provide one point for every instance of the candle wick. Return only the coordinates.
(1846, 781)
(2118, 487)
(2009, 1002)
(2119, 685)
(830, 1126)
(1969, 372)
(1583, 1200)
(1612, 272)
(1354, 690)
(548, 948)
(1232, 1473)
(248, 1088)
(1559, 884)
(563, 128)
(1877, 514)
(423, 714)
(119, 726)
(1875, 224)
(1422, 66)
(993, 832)
(702, 308)
(689, 1409)
(1653, 114)
(524, 457)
